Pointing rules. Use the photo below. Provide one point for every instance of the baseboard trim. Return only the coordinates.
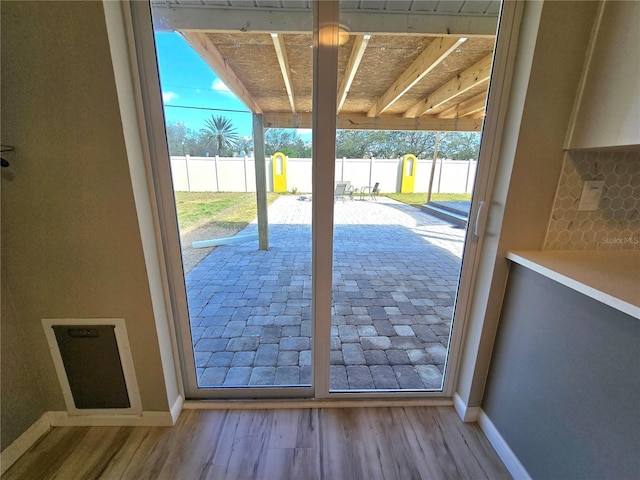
(311, 403)
(176, 409)
(466, 414)
(510, 460)
(147, 419)
(62, 419)
(21, 444)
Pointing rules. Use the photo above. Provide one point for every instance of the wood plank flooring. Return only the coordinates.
(337, 444)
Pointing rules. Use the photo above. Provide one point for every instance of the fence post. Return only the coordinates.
(186, 166)
(371, 160)
(246, 185)
(466, 183)
(433, 167)
(215, 164)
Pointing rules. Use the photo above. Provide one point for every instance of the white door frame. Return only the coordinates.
(496, 108)
(326, 18)
(325, 55)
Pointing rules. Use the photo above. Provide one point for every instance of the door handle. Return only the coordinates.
(476, 223)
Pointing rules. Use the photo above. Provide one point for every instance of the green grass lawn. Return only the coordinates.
(237, 210)
(227, 209)
(419, 199)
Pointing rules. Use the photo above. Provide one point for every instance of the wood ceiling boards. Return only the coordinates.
(391, 80)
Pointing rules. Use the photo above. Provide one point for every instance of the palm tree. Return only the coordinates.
(220, 132)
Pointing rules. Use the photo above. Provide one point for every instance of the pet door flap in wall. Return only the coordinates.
(94, 365)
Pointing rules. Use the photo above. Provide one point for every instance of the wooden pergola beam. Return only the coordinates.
(281, 52)
(177, 17)
(473, 76)
(468, 107)
(359, 46)
(211, 55)
(362, 122)
(433, 55)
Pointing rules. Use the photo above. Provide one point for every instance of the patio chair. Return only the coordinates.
(372, 191)
(349, 190)
(340, 190)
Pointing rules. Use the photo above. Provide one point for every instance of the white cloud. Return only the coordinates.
(169, 96)
(219, 86)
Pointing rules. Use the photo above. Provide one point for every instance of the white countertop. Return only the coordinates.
(611, 277)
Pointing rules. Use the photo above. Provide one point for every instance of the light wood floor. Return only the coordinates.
(336, 444)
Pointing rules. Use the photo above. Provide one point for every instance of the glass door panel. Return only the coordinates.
(410, 110)
(242, 181)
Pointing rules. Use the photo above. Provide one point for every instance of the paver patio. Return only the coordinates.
(394, 284)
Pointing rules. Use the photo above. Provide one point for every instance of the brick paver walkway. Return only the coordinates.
(395, 279)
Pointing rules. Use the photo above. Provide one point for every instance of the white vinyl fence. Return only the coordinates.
(237, 174)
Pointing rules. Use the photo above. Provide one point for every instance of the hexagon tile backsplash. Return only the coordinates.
(615, 225)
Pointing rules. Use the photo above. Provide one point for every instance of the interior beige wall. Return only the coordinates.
(609, 113)
(71, 245)
(20, 373)
(531, 155)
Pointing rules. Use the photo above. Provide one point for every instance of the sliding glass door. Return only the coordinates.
(322, 159)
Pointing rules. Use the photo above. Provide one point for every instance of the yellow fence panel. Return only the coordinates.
(279, 162)
(409, 164)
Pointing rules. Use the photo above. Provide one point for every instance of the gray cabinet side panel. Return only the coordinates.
(564, 383)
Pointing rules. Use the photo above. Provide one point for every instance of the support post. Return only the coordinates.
(433, 166)
(261, 182)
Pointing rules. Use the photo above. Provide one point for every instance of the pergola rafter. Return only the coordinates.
(281, 52)
(212, 56)
(430, 58)
(468, 108)
(473, 76)
(359, 46)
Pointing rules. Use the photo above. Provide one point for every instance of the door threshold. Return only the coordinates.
(263, 404)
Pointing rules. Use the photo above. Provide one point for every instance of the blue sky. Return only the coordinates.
(189, 82)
